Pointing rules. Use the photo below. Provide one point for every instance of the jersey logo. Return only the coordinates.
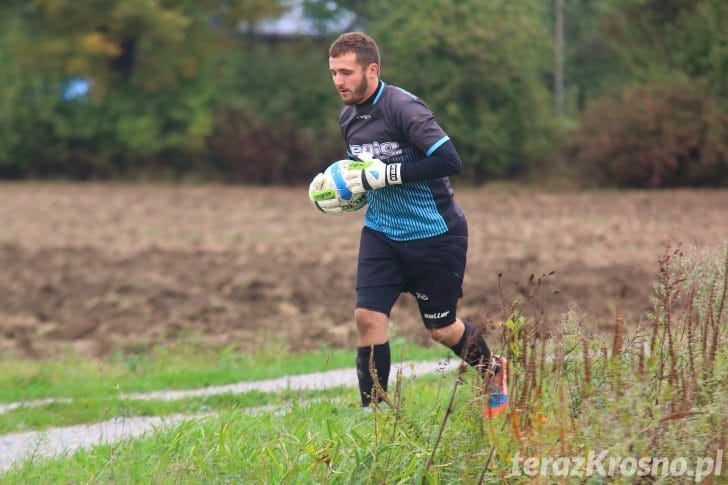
(379, 150)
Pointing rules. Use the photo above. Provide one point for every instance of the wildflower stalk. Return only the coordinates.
(448, 411)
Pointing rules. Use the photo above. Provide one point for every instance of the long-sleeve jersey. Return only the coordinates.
(397, 127)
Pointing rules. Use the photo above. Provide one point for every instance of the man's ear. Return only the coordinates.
(373, 70)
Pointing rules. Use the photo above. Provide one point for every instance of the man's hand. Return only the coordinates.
(323, 199)
(370, 173)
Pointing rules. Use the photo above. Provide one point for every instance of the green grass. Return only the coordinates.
(572, 394)
(333, 441)
(90, 391)
(183, 366)
(324, 440)
(85, 410)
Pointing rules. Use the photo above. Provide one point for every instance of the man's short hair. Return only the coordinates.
(362, 45)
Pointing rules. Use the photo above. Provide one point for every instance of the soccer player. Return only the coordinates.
(415, 236)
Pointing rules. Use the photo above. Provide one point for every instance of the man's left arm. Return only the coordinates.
(443, 162)
(368, 173)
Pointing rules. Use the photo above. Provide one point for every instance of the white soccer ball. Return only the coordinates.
(334, 181)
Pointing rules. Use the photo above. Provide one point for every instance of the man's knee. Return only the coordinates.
(439, 334)
(368, 321)
(448, 334)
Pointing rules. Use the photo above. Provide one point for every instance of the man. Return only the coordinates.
(415, 236)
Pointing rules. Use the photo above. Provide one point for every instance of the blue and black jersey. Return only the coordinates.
(397, 127)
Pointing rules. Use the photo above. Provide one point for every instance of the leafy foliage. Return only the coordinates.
(591, 66)
(151, 69)
(480, 67)
(278, 122)
(653, 136)
(164, 77)
(657, 39)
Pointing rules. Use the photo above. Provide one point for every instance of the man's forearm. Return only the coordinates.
(443, 163)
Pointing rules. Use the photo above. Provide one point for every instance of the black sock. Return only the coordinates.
(381, 363)
(473, 349)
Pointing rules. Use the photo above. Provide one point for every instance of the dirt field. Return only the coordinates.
(97, 268)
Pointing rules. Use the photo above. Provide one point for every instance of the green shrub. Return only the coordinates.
(660, 135)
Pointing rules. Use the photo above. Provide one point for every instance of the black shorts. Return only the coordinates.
(430, 269)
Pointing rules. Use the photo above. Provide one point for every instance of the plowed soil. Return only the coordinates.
(96, 268)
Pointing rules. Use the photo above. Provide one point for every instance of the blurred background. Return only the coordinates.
(155, 155)
(627, 93)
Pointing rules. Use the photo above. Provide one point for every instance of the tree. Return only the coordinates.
(483, 67)
(590, 66)
(662, 39)
(151, 67)
(664, 125)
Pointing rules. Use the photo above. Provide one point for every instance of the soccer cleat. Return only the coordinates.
(498, 394)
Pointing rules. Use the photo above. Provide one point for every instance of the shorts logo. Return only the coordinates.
(421, 296)
(435, 316)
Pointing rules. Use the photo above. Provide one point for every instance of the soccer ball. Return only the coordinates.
(335, 188)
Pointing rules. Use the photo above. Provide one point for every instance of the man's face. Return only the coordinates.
(351, 79)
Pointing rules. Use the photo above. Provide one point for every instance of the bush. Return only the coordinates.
(249, 150)
(653, 136)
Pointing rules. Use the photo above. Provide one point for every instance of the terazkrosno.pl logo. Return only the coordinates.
(600, 463)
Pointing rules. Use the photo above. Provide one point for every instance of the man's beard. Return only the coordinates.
(359, 93)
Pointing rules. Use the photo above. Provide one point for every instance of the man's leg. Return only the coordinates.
(378, 285)
(435, 268)
(373, 360)
(465, 340)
